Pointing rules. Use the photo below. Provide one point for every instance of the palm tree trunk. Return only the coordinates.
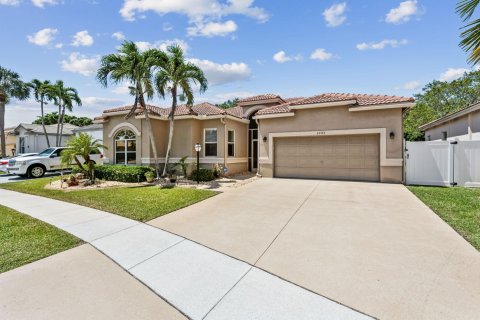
(170, 134)
(2, 124)
(150, 132)
(43, 123)
(58, 122)
(61, 127)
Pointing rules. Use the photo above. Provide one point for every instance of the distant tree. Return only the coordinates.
(230, 103)
(439, 98)
(52, 118)
(11, 86)
(43, 91)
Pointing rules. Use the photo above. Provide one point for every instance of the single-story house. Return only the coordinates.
(461, 125)
(328, 136)
(31, 137)
(95, 130)
(10, 142)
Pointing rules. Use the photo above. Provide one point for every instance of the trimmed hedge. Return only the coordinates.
(122, 173)
(204, 175)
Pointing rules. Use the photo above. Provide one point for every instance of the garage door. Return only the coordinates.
(349, 157)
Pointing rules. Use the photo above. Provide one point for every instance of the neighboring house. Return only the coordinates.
(330, 136)
(10, 142)
(31, 137)
(461, 125)
(95, 130)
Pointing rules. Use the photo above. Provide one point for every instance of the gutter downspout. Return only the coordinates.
(225, 137)
(258, 148)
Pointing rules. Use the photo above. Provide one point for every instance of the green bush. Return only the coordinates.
(122, 173)
(204, 175)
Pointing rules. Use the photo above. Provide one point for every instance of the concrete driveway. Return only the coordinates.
(6, 178)
(373, 247)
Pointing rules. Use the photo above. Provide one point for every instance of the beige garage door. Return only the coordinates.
(350, 157)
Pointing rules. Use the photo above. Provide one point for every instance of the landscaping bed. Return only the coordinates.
(459, 207)
(141, 203)
(24, 239)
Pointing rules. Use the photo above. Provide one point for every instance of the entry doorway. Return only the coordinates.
(252, 146)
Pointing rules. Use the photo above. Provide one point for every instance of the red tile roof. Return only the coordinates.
(260, 97)
(361, 100)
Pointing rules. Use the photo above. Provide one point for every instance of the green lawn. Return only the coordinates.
(140, 203)
(24, 239)
(459, 207)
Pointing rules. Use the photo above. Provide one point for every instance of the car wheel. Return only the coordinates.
(36, 172)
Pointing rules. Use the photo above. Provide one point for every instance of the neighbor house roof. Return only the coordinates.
(357, 100)
(451, 116)
(95, 126)
(261, 97)
(51, 129)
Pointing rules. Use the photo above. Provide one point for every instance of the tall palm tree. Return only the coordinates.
(175, 77)
(43, 92)
(131, 65)
(11, 86)
(471, 35)
(65, 98)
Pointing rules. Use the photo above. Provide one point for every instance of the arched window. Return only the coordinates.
(125, 147)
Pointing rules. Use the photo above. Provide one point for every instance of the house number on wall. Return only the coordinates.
(319, 133)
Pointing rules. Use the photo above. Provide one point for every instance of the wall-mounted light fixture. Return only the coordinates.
(265, 139)
(392, 135)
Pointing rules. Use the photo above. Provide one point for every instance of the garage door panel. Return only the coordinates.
(349, 157)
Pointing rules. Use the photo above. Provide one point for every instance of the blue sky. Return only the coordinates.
(245, 47)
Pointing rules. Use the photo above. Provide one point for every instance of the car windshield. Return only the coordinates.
(47, 152)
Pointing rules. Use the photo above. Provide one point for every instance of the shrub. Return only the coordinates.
(122, 173)
(204, 175)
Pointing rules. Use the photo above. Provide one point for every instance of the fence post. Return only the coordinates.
(452, 163)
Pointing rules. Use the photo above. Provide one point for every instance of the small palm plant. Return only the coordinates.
(82, 146)
(183, 164)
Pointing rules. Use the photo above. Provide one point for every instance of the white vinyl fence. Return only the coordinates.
(443, 163)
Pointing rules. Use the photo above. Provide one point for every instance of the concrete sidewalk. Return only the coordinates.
(198, 281)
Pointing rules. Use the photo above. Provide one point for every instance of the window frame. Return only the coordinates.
(205, 142)
(231, 143)
(126, 151)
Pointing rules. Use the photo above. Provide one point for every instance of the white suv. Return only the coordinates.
(46, 161)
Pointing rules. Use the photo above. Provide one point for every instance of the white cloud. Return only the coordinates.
(42, 3)
(321, 54)
(335, 15)
(78, 63)
(118, 35)
(212, 29)
(43, 37)
(381, 45)
(100, 102)
(82, 38)
(452, 74)
(59, 45)
(122, 89)
(223, 73)
(162, 44)
(167, 27)
(281, 57)
(196, 10)
(9, 2)
(412, 85)
(403, 12)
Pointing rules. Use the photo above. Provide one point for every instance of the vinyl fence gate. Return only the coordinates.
(443, 163)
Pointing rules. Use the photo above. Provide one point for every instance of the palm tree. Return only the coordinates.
(64, 98)
(82, 146)
(11, 86)
(471, 35)
(131, 65)
(43, 93)
(175, 77)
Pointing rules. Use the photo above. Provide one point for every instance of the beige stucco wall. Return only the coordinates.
(338, 118)
(187, 132)
(457, 128)
(10, 143)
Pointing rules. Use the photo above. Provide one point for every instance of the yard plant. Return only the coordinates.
(79, 149)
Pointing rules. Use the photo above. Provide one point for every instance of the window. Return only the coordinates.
(231, 143)
(444, 135)
(22, 145)
(125, 147)
(210, 142)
